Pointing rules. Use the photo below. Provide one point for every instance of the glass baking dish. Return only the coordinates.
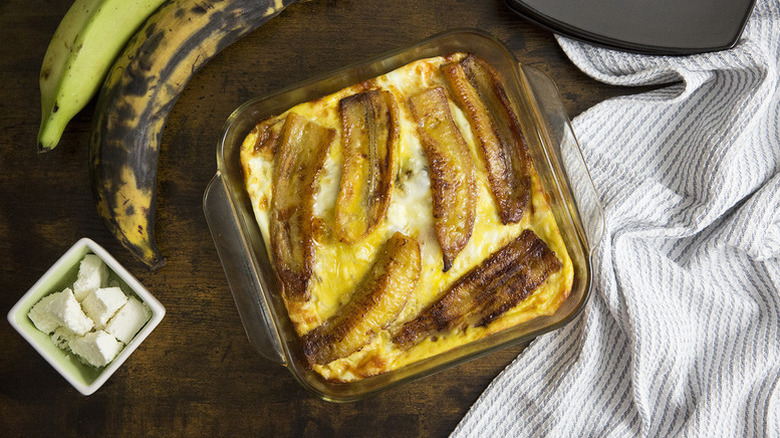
(243, 253)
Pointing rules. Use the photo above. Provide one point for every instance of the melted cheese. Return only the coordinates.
(339, 267)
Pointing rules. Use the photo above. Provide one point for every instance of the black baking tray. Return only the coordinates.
(658, 27)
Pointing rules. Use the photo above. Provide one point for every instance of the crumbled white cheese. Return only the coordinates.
(62, 337)
(96, 324)
(98, 348)
(40, 316)
(93, 274)
(102, 304)
(66, 311)
(128, 320)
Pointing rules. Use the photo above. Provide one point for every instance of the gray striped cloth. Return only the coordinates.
(682, 333)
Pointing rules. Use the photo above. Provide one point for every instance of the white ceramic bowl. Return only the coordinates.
(86, 379)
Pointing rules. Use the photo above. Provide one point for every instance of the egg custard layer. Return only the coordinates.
(404, 217)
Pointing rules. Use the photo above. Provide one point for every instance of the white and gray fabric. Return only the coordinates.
(681, 336)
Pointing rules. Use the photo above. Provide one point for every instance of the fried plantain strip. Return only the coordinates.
(502, 143)
(452, 171)
(503, 280)
(300, 155)
(370, 128)
(376, 302)
(269, 134)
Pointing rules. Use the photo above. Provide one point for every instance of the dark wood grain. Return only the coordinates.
(197, 375)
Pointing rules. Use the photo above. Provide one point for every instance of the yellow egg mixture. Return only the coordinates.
(338, 267)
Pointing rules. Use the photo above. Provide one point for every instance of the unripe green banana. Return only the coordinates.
(81, 51)
(137, 97)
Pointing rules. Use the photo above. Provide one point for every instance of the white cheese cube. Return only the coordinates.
(97, 348)
(40, 316)
(128, 320)
(62, 337)
(93, 274)
(102, 304)
(66, 312)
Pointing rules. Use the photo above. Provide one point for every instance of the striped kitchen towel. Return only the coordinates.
(681, 336)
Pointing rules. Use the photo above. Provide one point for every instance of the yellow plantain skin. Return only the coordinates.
(376, 302)
(502, 144)
(301, 153)
(370, 129)
(452, 172)
(137, 97)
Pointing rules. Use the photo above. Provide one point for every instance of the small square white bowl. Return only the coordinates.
(86, 379)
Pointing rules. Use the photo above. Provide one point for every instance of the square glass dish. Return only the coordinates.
(243, 253)
(85, 378)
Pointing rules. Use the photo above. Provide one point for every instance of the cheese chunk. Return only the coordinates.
(62, 337)
(40, 316)
(128, 320)
(102, 304)
(93, 274)
(62, 310)
(97, 348)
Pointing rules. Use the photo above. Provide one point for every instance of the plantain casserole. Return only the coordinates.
(404, 217)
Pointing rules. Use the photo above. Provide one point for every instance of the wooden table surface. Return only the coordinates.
(196, 374)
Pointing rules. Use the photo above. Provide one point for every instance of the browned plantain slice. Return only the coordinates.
(504, 151)
(376, 302)
(507, 277)
(370, 138)
(452, 171)
(269, 134)
(300, 155)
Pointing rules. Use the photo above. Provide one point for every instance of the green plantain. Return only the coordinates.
(137, 97)
(82, 49)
